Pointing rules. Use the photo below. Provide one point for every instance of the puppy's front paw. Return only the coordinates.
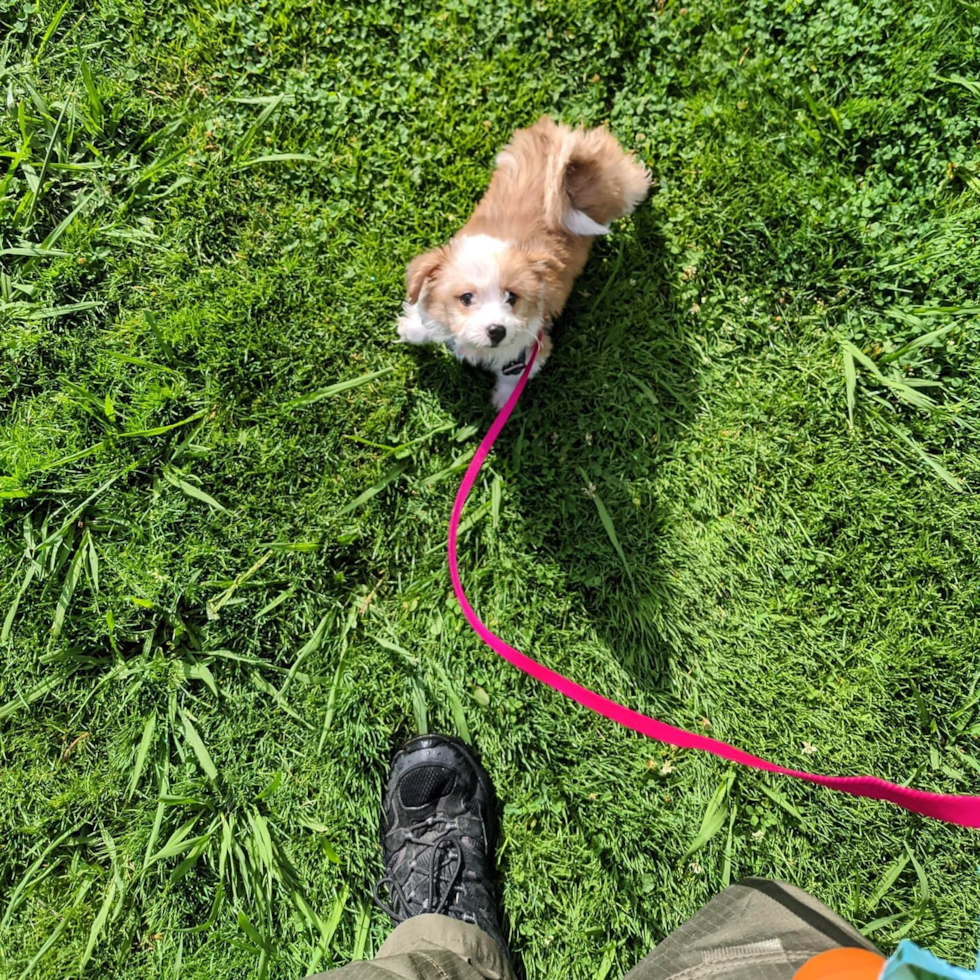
(503, 390)
(411, 330)
(407, 331)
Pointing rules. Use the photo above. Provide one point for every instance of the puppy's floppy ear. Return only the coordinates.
(544, 265)
(421, 269)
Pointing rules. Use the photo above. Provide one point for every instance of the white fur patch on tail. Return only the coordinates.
(579, 223)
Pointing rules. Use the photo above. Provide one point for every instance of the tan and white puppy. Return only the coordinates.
(491, 292)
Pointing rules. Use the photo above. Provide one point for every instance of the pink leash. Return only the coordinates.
(962, 810)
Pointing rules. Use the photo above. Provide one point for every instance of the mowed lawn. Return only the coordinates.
(741, 497)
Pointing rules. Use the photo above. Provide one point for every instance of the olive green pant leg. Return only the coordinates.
(431, 947)
(755, 930)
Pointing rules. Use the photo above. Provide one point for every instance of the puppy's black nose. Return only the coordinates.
(496, 332)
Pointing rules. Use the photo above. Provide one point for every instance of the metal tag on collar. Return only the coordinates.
(515, 366)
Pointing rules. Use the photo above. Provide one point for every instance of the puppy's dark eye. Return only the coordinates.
(511, 298)
(466, 299)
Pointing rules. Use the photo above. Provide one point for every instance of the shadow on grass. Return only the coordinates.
(581, 454)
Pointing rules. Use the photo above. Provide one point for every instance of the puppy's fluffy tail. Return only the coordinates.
(593, 181)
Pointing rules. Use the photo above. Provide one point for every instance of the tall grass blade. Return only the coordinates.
(92, 554)
(336, 389)
(714, 816)
(420, 708)
(55, 936)
(8, 620)
(881, 923)
(142, 752)
(21, 888)
(393, 474)
(924, 341)
(726, 865)
(51, 28)
(925, 892)
(190, 490)
(496, 497)
(52, 141)
(944, 474)
(62, 226)
(782, 802)
(850, 385)
(201, 672)
(329, 929)
(265, 687)
(607, 524)
(331, 705)
(161, 429)
(310, 646)
(24, 700)
(271, 104)
(455, 705)
(361, 932)
(199, 748)
(95, 933)
(279, 158)
(459, 463)
(255, 937)
(96, 109)
(889, 878)
(68, 588)
(162, 342)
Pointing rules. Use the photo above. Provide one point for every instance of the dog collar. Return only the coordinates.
(510, 368)
(517, 365)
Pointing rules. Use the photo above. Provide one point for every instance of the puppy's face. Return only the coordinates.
(487, 293)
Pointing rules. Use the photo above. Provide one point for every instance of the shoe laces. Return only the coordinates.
(445, 854)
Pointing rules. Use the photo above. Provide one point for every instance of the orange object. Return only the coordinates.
(842, 964)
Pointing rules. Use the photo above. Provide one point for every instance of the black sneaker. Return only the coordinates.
(438, 836)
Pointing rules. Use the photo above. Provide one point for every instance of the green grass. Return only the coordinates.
(742, 496)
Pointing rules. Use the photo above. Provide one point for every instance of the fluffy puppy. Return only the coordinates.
(491, 292)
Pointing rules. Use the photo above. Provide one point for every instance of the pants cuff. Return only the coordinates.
(465, 940)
